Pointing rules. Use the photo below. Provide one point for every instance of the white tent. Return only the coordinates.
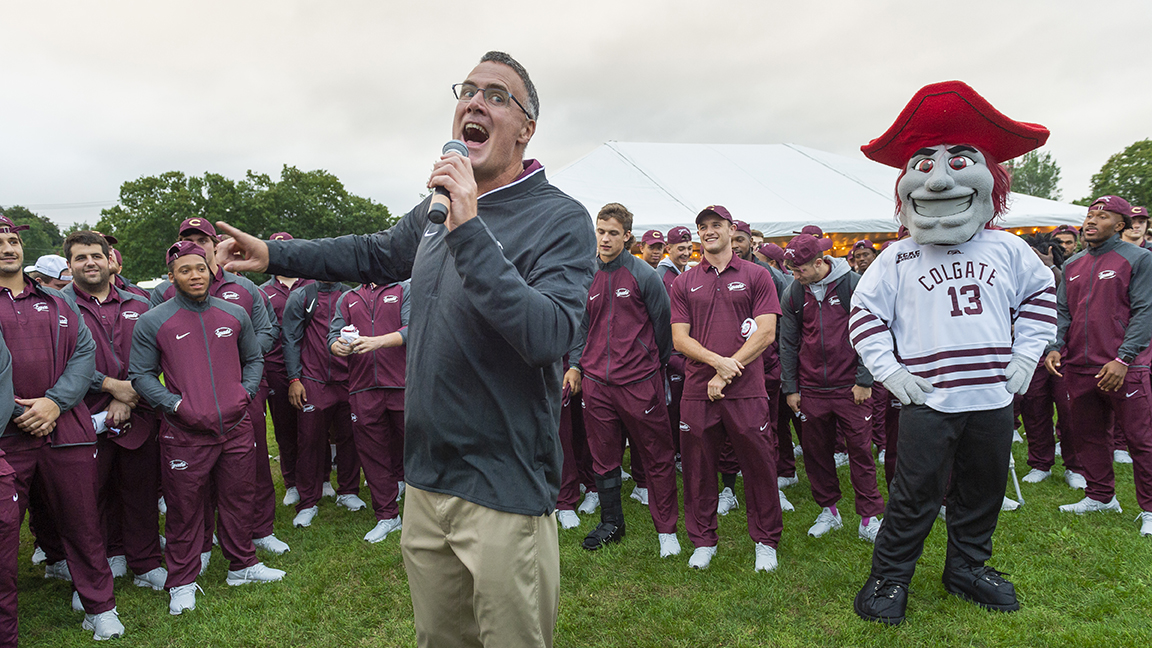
(777, 188)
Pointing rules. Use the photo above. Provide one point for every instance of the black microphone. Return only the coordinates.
(438, 210)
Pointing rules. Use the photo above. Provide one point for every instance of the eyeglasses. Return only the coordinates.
(492, 96)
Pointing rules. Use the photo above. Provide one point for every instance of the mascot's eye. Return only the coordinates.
(960, 162)
(925, 165)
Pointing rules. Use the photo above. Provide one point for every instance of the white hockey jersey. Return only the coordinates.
(946, 313)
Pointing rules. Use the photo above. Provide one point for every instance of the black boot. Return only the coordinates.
(611, 527)
(982, 585)
(882, 600)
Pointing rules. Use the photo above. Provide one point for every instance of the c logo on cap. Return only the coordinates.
(194, 221)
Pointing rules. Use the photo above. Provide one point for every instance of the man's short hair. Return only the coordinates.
(533, 98)
(756, 233)
(617, 211)
(84, 237)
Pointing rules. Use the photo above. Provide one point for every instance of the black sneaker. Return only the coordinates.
(882, 600)
(983, 586)
(604, 533)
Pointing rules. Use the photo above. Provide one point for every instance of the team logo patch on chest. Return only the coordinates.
(223, 332)
(833, 300)
(231, 296)
(63, 322)
(390, 299)
(130, 315)
(178, 464)
(622, 292)
(40, 307)
(736, 285)
(1106, 274)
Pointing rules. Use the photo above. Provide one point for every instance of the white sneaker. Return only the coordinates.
(58, 569)
(1145, 519)
(1075, 480)
(841, 459)
(272, 544)
(785, 482)
(400, 486)
(765, 558)
(797, 451)
(1121, 457)
(1009, 504)
(105, 625)
(1058, 451)
(154, 579)
(77, 606)
(727, 502)
(291, 497)
(640, 495)
(304, 518)
(384, 527)
(205, 558)
(38, 556)
(825, 522)
(670, 545)
(257, 573)
(1016, 438)
(567, 518)
(118, 565)
(163, 542)
(162, 506)
(881, 457)
(785, 505)
(328, 491)
(1035, 476)
(1089, 505)
(869, 532)
(624, 476)
(943, 513)
(590, 504)
(182, 598)
(351, 502)
(701, 558)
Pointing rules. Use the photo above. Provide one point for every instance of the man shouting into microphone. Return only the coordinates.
(498, 293)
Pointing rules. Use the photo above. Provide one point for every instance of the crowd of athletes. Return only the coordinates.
(128, 404)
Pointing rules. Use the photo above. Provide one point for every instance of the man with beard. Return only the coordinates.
(970, 309)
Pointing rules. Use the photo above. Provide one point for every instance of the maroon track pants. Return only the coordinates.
(824, 415)
(9, 546)
(577, 468)
(128, 480)
(284, 424)
(327, 409)
(378, 427)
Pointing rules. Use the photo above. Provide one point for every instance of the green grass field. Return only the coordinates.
(1082, 581)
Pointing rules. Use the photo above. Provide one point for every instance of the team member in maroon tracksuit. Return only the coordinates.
(239, 290)
(724, 314)
(318, 388)
(50, 443)
(284, 419)
(670, 267)
(129, 452)
(207, 350)
(627, 339)
(376, 364)
(824, 380)
(1104, 308)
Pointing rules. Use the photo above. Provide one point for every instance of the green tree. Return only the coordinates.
(308, 204)
(1127, 174)
(42, 236)
(1036, 174)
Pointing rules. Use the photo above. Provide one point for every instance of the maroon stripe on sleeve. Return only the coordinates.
(864, 321)
(869, 333)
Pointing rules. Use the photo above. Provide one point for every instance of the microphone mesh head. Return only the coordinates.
(457, 146)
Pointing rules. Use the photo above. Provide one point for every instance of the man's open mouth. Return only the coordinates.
(942, 208)
(475, 133)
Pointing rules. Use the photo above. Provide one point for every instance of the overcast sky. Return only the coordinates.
(97, 93)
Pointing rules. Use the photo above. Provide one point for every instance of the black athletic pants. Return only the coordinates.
(970, 447)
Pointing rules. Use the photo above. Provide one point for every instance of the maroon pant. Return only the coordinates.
(326, 409)
(9, 546)
(639, 408)
(378, 426)
(128, 479)
(785, 456)
(577, 468)
(745, 422)
(879, 419)
(1044, 392)
(824, 414)
(65, 479)
(264, 497)
(675, 374)
(284, 424)
(188, 474)
(1090, 441)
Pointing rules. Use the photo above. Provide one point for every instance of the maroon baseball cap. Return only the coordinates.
(652, 237)
(679, 234)
(280, 236)
(8, 227)
(741, 226)
(202, 225)
(714, 209)
(1139, 212)
(1114, 204)
(864, 244)
(774, 252)
(116, 253)
(805, 247)
(108, 238)
(183, 248)
(1066, 229)
(811, 230)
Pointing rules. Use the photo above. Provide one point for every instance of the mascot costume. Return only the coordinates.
(953, 322)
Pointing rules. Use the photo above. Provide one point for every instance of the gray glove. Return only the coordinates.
(908, 388)
(1019, 374)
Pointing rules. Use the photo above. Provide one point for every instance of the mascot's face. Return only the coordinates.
(946, 193)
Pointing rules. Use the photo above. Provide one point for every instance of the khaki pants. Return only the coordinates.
(479, 577)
